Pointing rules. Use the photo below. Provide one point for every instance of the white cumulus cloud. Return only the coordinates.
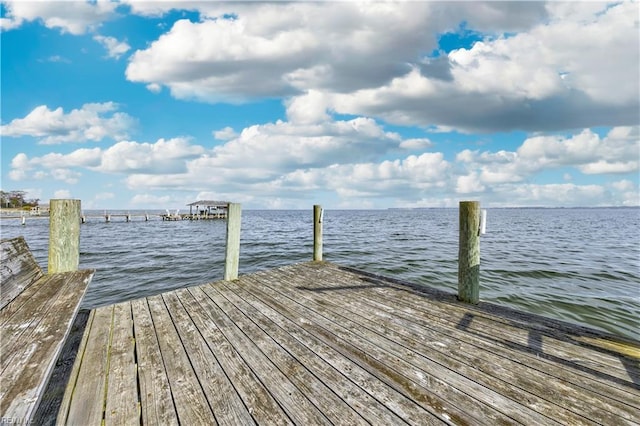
(163, 156)
(91, 122)
(115, 48)
(75, 17)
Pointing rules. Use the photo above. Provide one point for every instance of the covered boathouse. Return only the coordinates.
(201, 210)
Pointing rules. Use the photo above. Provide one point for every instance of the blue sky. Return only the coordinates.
(141, 105)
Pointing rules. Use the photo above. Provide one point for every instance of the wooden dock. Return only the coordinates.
(316, 343)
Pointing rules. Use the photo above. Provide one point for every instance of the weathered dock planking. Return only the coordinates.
(36, 313)
(316, 343)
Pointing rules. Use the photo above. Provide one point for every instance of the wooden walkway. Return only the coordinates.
(317, 343)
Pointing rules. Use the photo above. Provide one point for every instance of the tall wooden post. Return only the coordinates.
(317, 233)
(64, 235)
(232, 251)
(469, 252)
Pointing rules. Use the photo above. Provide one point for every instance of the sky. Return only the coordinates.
(351, 105)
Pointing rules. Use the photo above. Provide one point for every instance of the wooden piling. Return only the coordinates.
(232, 250)
(469, 252)
(317, 233)
(64, 235)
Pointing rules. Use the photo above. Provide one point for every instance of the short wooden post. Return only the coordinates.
(469, 252)
(232, 251)
(317, 233)
(64, 235)
(24, 220)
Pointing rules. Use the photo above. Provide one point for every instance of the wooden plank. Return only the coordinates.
(289, 397)
(19, 269)
(52, 396)
(262, 406)
(156, 403)
(225, 402)
(87, 396)
(500, 319)
(534, 389)
(190, 403)
(122, 399)
(63, 411)
(362, 391)
(587, 370)
(294, 369)
(438, 387)
(432, 409)
(554, 381)
(20, 323)
(514, 328)
(26, 369)
(24, 314)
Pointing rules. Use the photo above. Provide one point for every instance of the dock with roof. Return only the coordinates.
(201, 210)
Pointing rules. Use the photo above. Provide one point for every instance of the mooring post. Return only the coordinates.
(317, 233)
(469, 252)
(232, 251)
(64, 235)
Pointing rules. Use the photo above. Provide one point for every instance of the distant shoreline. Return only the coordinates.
(6, 210)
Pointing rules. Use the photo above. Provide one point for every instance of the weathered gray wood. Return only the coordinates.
(34, 312)
(75, 369)
(532, 388)
(36, 334)
(122, 400)
(225, 402)
(263, 407)
(512, 329)
(439, 390)
(355, 386)
(232, 249)
(53, 394)
(317, 233)
(317, 343)
(19, 269)
(87, 392)
(24, 314)
(469, 252)
(156, 403)
(366, 375)
(191, 405)
(64, 236)
(289, 397)
(293, 369)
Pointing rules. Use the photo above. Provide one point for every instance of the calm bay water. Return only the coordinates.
(579, 265)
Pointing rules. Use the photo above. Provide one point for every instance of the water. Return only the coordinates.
(579, 265)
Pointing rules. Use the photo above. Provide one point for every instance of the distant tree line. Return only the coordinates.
(16, 199)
